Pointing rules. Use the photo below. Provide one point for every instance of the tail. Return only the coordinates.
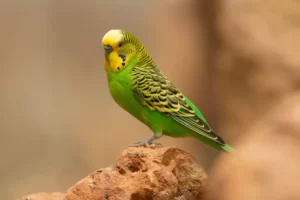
(227, 148)
(222, 147)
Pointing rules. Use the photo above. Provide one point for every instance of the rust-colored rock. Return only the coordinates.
(140, 174)
(44, 196)
(266, 165)
(144, 173)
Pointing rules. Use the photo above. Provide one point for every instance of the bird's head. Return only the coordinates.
(119, 47)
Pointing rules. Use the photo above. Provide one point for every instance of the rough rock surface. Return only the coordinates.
(143, 173)
(266, 165)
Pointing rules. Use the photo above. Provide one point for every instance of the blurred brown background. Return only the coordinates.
(236, 60)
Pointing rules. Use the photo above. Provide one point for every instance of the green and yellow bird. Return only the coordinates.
(137, 85)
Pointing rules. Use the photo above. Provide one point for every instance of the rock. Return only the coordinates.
(140, 173)
(266, 164)
(144, 173)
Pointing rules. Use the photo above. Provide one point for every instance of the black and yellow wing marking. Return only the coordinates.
(155, 91)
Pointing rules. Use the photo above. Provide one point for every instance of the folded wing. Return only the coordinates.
(154, 90)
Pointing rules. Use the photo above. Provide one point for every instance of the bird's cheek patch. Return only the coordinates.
(119, 65)
(123, 57)
(117, 62)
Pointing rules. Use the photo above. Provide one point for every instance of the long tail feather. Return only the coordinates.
(209, 142)
(227, 148)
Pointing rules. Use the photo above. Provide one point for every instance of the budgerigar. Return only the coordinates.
(137, 85)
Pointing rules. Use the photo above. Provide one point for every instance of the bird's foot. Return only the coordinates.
(146, 144)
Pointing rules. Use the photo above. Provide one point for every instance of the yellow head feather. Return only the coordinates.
(112, 38)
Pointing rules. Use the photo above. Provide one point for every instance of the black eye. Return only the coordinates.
(107, 48)
(118, 68)
(120, 44)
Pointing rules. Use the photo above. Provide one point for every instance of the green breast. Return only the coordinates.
(120, 87)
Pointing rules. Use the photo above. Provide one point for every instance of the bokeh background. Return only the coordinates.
(237, 60)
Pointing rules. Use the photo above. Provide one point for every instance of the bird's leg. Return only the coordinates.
(149, 141)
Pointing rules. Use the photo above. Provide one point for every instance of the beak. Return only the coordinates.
(107, 49)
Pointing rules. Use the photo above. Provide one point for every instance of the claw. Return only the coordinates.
(147, 143)
(141, 144)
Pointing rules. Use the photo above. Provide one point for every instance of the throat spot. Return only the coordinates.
(122, 56)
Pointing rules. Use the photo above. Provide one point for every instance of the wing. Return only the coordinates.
(154, 90)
